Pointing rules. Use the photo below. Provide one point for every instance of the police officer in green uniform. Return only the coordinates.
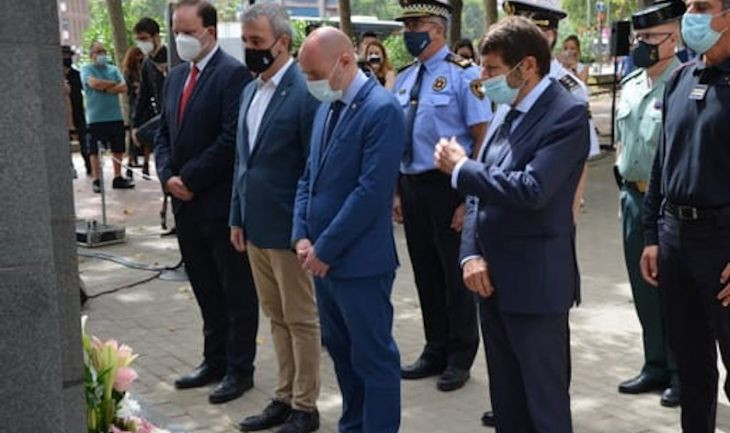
(638, 125)
(441, 96)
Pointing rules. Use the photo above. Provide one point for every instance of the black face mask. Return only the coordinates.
(645, 55)
(67, 62)
(259, 61)
(374, 59)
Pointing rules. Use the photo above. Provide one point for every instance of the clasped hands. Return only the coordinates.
(309, 260)
(448, 153)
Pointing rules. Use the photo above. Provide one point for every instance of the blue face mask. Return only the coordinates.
(697, 32)
(416, 42)
(322, 90)
(499, 91)
(102, 60)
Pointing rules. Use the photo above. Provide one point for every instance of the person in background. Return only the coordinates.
(366, 39)
(342, 228)
(102, 85)
(570, 58)
(195, 152)
(377, 57)
(77, 124)
(154, 69)
(132, 70)
(465, 49)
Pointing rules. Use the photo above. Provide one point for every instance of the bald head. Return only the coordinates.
(327, 53)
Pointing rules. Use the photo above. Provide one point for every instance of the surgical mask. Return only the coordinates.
(188, 47)
(259, 60)
(499, 91)
(374, 59)
(146, 47)
(101, 60)
(416, 42)
(645, 55)
(697, 32)
(323, 91)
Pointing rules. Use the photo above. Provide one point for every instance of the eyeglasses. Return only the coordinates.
(652, 37)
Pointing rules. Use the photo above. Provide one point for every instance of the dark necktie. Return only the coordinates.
(411, 116)
(187, 92)
(500, 138)
(334, 115)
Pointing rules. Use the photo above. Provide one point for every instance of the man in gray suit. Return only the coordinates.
(272, 146)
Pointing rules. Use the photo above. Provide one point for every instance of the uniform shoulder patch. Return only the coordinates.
(570, 83)
(403, 68)
(477, 89)
(458, 61)
(635, 73)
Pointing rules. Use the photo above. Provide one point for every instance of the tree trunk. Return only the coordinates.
(345, 15)
(119, 39)
(455, 30)
(492, 16)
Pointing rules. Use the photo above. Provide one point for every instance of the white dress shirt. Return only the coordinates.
(202, 63)
(260, 102)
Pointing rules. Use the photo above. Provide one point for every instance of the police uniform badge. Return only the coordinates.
(570, 83)
(439, 84)
(477, 89)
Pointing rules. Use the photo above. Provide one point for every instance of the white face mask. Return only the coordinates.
(322, 90)
(188, 47)
(146, 47)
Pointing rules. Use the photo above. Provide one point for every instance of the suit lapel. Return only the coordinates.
(346, 119)
(246, 97)
(533, 116)
(177, 92)
(202, 79)
(316, 144)
(280, 94)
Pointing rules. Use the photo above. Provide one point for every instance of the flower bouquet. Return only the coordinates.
(107, 378)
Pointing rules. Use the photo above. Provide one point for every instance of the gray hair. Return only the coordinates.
(276, 14)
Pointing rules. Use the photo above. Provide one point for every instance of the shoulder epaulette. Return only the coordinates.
(635, 73)
(570, 83)
(403, 68)
(458, 60)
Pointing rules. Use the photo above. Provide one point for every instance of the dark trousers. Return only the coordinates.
(528, 359)
(692, 255)
(356, 318)
(223, 286)
(659, 363)
(448, 308)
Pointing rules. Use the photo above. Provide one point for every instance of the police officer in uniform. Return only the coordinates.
(638, 124)
(442, 97)
(687, 212)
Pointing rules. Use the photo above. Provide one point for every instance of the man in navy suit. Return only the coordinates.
(272, 145)
(343, 231)
(194, 150)
(518, 243)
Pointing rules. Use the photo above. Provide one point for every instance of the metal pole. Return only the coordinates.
(101, 182)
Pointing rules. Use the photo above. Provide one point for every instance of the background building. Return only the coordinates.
(73, 19)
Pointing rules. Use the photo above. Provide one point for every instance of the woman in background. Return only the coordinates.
(570, 58)
(377, 57)
(465, 49)
(132, 70)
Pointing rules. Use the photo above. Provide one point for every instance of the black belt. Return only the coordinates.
(690, 213)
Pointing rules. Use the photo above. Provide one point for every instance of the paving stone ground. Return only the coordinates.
(160, 320)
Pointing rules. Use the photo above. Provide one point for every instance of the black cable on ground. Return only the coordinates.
(126, 286)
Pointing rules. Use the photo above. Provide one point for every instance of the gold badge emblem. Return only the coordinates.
(476, 88)
(439, 84)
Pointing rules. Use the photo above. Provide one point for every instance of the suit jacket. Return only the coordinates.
(344, 199)
(201, 148)
(265, 180)
(521, 221)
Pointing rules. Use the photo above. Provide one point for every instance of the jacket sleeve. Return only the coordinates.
(383, 141)
(213, 165)
(564, 150)
(469, 245)
(654, 198)
(163, 153)
(301, 204)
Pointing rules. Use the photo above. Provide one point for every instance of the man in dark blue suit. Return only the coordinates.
(272, 146)
(343, 231)
(518, 243)
(194, 151)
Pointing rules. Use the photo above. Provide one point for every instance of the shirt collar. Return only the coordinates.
(434, 60)
(354, 88)
(202, 63)
(276, 78)
(670, 70)
(525, 105)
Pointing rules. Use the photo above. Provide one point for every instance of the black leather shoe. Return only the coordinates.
(641, 384)
(96, 186)
(670, 396)
(276, 413)
(488, 419)
(201, 376)
(230, 388)
(423, 367)
(300, 422)
(452, 379)
(122, 183)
